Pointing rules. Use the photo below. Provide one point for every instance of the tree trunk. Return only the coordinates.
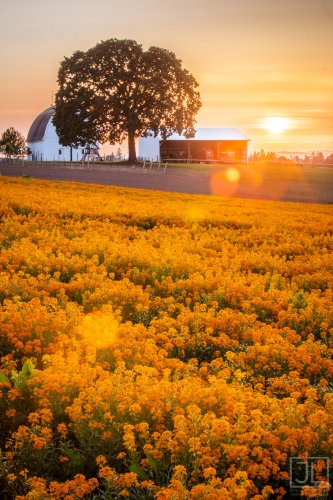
(131, 148)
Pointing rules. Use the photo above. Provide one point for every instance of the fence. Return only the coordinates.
(13, 161)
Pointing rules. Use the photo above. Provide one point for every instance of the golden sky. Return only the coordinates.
(253, 59)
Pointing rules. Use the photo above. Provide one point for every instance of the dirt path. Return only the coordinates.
(303, 184)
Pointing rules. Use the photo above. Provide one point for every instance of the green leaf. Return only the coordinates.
(3, 379)
(27, 369)
(139, 471)
(19, 384)
(153, 464)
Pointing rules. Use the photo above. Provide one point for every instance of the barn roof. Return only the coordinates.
(37, 129)
(213, 134)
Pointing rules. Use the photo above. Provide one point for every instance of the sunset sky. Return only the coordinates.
(254, 59)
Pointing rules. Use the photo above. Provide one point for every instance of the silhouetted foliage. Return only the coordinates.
(315, 158)
(12, 143)
(329, 159)
(117, 90)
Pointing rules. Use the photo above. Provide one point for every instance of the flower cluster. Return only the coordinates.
(181, 345)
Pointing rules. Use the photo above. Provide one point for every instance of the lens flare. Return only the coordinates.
(99, 330)
(232, 175)
(226, 182)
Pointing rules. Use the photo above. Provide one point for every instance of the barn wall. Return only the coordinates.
(152, 148)
(149, 148)
(49, 149)
(230, 151)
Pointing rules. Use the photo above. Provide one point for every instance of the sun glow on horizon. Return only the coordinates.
(276, 124)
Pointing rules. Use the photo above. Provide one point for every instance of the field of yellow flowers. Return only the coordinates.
(160, 345)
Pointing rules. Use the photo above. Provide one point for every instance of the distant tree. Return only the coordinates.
(318, 157)
(254, 156)
(12, 143)
(117, 90)
(262, 156)
(119, 154)
(329, 159)
(271, 156)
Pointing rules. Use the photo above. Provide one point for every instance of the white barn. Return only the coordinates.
(44, 144)
(219, 145)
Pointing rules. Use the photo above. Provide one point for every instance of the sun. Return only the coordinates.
(276, 124)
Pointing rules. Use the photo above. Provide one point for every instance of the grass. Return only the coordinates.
(300, 183)
(261, 180)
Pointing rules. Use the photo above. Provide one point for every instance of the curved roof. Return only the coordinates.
(37, 129)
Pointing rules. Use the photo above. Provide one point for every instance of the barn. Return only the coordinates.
(210, 145)
(44, 144)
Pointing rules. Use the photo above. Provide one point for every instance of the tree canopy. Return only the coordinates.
(117, 90)
(12, 143)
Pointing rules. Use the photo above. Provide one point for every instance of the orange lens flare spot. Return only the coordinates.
(225, 183)
(99, 329)
(232, 175)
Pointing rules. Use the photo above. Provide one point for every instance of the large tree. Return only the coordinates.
(12, 143)
(116, 90)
